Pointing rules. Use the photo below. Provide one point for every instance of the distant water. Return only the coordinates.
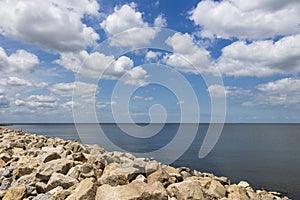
(265, 155)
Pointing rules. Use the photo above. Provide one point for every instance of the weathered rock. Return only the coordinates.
(57, 179)
(50, 156)
(86, 190)
(151, 167)
(161, 176)
(134, 191)
(47, 195)
(5, 172)
(58, 150)
(139, 163)
(40, 187)
(141, 178)
(15, 193)
(186, 190)
(237, 192)
(223, 180)
(216, 189)
(74, 171)
(25, 165)
(60, 166)
(243, 184)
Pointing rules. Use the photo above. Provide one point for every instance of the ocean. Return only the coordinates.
(265, 155)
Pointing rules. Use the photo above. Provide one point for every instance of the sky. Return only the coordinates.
(233, 61)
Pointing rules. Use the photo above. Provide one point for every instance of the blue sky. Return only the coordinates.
(150, 60)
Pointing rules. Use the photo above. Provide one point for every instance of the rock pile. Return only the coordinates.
(40, 168)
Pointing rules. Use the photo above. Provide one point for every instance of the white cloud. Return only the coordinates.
(52, 24)
(19, 61)
(19, 102)
(247, 18)
(160, 21)
(41, 101)
(137, 98)
(95, 64)
(152, 55)
(283, 92)
(216, 91)
(261, 58)
(19, 82)
(85, 90)
(70, 105)
(124, 18)
(135, 76)
(187, 56)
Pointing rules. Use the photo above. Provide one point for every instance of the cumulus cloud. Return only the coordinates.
(160, 21)
(261, 58)
(217, 91)
(85, 90)
(135, 76)
(51, 24)
(41, 101)
(152, 55)
(124, 18)
(246, 18)
(19, 82)
(187, 56)
(283, 92)
(95, 64)
(19, 61)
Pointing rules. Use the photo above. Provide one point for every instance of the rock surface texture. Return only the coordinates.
(42, 168)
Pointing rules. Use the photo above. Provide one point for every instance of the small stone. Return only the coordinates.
(141, 178)
(15, 193)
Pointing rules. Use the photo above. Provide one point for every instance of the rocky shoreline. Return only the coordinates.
(40, 168)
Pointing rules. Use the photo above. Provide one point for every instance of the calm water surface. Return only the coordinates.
(266, 155)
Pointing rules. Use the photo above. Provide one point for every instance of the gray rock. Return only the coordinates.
(47, 196)
(151, 167)
(5, 172)
(6, 183)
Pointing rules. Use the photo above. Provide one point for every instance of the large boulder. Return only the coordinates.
(135, 190)
(237, 193)
(86, 190)
(189, 189)
(216, 189)
(47, 169)
(57, 179)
